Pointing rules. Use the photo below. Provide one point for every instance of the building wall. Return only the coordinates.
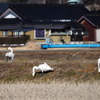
(8, 32)
(91, 31)
(98, 35)
(56, 39)
(0, 33)
(31, 34)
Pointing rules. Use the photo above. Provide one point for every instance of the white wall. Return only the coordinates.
(98, 35)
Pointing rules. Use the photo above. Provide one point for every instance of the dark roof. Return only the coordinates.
(3, 7)
(95, 12)
(75, 25)
(6, 24)
(15, 21)
(50, 11)
(93, 19)
(45, 16)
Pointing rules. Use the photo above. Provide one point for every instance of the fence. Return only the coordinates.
(14, 40)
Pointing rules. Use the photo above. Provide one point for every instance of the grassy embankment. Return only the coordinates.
(74, 77)
(68, 65)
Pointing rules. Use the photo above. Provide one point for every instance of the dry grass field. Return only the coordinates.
(50, 91)
(75, 75)
(68, 65)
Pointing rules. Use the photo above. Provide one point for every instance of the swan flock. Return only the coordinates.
(42, 67)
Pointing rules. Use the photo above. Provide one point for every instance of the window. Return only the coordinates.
(18, 34)
(40, 33)
(5, 33)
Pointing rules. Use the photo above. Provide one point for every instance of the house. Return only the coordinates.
(20, 22)
(91, 22)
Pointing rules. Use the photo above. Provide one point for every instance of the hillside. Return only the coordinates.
(77, 65)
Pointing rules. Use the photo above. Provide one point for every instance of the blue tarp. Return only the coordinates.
(45, 46)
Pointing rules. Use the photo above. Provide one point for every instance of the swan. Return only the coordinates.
(99, 65)
(10, 54)
(43, 67)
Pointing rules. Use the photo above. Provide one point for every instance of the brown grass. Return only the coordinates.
(50, 91)
(75, 76)
(64, 69)
(30, 45)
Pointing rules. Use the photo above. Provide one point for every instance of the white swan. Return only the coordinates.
(10, 55)
(43, 67)
(99, 65)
